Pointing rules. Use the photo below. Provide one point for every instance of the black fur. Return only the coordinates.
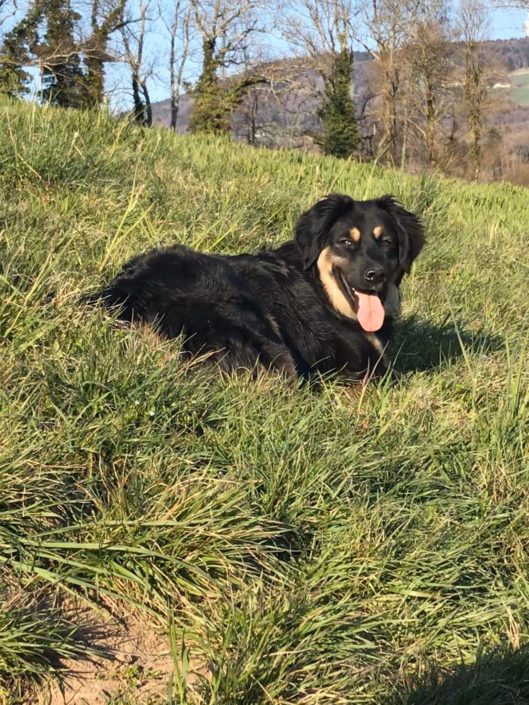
(270, 308)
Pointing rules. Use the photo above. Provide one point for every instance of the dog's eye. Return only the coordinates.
(346, 241)
(387, 242)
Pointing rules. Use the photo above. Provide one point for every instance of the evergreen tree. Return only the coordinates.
(338, 114)
(13, 56)
(63, 79)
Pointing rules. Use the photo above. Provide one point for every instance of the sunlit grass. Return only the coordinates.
(303, 547)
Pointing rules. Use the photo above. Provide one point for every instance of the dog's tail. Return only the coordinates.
(91, 299)
(118, 301)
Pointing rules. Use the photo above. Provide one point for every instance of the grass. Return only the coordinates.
(294, 547)
(520, 90)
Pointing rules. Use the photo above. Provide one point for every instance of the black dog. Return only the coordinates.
(324, 301)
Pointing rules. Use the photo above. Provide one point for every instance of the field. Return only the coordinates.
(519, 92)
(272, 544)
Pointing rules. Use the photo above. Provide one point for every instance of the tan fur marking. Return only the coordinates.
(325, 264)
(355, 234)
(376, 343)
(378, 231)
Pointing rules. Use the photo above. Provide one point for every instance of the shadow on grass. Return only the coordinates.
(420, 346)
(500, 677)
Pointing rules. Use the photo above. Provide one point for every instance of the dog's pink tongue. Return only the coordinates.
(370, 312)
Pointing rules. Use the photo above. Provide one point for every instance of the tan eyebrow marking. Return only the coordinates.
(378, 231)
(355, 234)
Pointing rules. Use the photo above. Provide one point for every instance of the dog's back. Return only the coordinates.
(204, 299)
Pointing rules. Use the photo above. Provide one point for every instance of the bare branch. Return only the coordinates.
(8, 10)
(320, 27)
(133, 36)
(228, 25)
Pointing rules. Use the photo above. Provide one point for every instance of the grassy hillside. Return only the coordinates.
(284, 546)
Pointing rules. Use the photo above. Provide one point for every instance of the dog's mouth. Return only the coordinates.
(367, 306)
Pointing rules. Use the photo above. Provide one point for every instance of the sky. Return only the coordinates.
(506, 24)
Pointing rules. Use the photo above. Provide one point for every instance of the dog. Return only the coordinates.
(323, 302)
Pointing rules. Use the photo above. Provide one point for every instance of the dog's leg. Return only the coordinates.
(278, 357)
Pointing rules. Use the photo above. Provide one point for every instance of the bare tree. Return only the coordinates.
(428, 53)
(178, 27)
(472, 25)
(319, 27)
(133, 34)
(280, 111)
(228, 27)
(387, 23)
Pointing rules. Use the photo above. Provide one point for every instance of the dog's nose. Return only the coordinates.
(375, 276)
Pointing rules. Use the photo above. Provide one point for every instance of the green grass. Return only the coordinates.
(295, 547)
(520, 90)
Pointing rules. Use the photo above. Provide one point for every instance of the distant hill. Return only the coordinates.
(287, 113)
(283, 116)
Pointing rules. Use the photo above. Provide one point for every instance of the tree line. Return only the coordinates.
(426, 97)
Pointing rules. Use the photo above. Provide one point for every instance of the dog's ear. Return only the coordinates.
(313, 226)
(410, 231)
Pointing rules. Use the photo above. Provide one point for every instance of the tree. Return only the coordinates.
(275, 111)
(324, 29)
(212, 106)
(62, 77)
(178, 26)
(69, 44)
(472, 21)
(226, 28)
(105, 18)
(13, 57)
(387, 23)
(428, 54)
(134, 36)
(338, 114)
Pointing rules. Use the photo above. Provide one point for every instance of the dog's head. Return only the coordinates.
(361, 250)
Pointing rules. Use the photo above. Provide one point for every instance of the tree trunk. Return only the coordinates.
(430, 124)
(139, 108)
(390, 90)
(175, 105)
(172, 84)
(95, 81)
(474, 100)
(147, 107)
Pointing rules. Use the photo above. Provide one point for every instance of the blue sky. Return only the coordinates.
(508, 23)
